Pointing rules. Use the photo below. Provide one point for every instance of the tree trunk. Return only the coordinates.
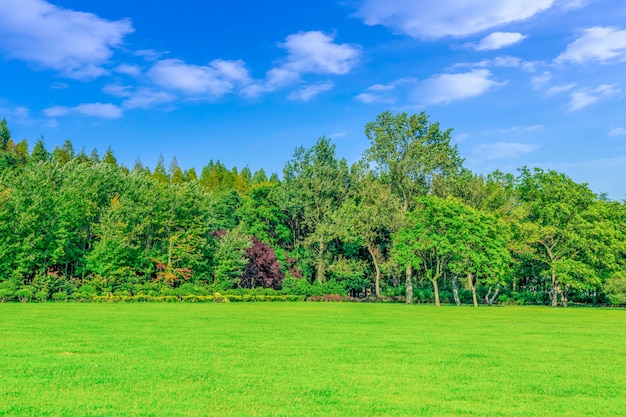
(436, 291)
(492, 299)
(554, 291)
(472, 285)
(564, 299)
(373, 255)
(409, 284)
(320, 264)
(455, 290)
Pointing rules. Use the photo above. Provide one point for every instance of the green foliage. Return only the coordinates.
(230, 258)
(78, 225)
(615, 289)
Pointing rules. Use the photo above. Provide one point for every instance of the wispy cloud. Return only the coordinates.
(127, 69)
(617, 131)
(497, 40)
(503, 150)
(500, 62)
(307, 92)
(145, 98)
(77, 44)
(435, 19)
(381, 93)
(445, 88)
(15, 113)
(211, 81)
(583, 98)
(100, 110)
(311, 52)
(557, 89)
(596, 44)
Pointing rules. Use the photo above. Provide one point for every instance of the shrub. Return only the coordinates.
(41, 295)
(25, 294)
(85, 293)
(59, 296)
(7, 291)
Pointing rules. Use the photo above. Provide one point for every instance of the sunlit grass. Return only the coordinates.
(309, 359)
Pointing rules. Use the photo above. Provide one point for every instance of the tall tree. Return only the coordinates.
(317, 182)
(368, 216)
(5, 134)
(408, 152)
(557, 227)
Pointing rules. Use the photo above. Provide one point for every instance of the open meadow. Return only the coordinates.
(310, 359)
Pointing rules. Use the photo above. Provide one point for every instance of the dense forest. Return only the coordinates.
(405, 223)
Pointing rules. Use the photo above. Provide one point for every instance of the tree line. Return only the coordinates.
(407, 222)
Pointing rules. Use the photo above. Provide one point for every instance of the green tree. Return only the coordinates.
(109, 157)
(40, 153)
(409, 152)
(230, 258)
(558, 229)
(368, 216)
(316, 184)
(5, 134)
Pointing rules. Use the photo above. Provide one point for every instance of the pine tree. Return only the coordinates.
(109, 158)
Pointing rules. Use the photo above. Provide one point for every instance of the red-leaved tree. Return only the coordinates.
(263, 269)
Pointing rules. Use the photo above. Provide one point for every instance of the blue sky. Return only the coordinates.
(533, 82)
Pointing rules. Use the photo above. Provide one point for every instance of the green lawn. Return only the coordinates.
(310, 359)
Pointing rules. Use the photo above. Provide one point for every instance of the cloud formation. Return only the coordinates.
(445, 88)
(498, 40)
(307, 92)
(584, 98)
(77, 44)
(596, 44)
(435, 19)
(311, 52)
(101, 110)
(211, 81)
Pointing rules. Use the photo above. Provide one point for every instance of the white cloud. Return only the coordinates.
(101, 110)
(311, 52)
(127, 69)
(583, 98)
(307, 92)
(146, 98)
(444, 88)
(435, 19)
(76, 44)
(499, 62)
(618, 131)
(213, 81)
(557, 89)
(503, 150)
(142, 98)
(385, 93)
(596, 44)
(117, 90)
(539, 81)
(497, 40)
(316, 52)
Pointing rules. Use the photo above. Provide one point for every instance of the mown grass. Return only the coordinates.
(310, 359)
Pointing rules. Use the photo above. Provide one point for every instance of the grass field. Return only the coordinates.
(310, 359)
